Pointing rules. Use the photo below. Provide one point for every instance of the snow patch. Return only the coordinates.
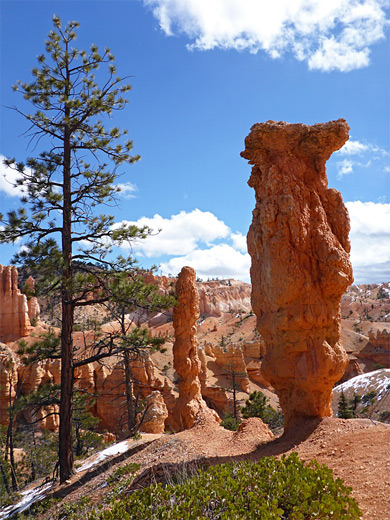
(114, 449)
(30, 496)
(380, 379)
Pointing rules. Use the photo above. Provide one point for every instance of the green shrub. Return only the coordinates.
(268, 490)
(257, 406)
(75, 510)
(230, 422)
(120, 472)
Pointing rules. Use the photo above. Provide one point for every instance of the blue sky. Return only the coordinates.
(203, 72)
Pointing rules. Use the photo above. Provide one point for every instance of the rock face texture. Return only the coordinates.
(377, 348)
(156, 414)
(299, 245)
(217, 297)
(8, 380)
(231, 359)
(32, 302)
(14, 319)
(185, 356)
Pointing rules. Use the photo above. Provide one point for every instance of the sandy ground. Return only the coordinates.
(358, 451)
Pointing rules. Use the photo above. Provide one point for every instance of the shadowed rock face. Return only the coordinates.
(299, 245)
(185, 355)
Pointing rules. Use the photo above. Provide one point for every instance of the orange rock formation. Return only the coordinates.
(14, 319)
(32, 302)
(377, 348)
(185, 356)
(299, 245)
(156, 413)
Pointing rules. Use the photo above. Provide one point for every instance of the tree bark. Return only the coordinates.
(4, 476)
(131, 419)
(65, 451)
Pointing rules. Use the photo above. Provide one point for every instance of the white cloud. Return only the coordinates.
(352, 147)
(127, 190)
(370, 240)
(187, 238)
(221, 261)
(345, 167)
(328, 34)
(8, 177)
(181, 233)
(239, 242)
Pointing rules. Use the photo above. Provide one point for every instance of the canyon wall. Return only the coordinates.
(299, 247)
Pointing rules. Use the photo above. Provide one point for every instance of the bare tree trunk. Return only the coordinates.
(131, 419)
(10, 436)
(234, 394)
(5, 478)
(65, 452)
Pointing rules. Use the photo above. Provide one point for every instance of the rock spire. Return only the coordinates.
(185, 356)
(14, 318)
(299, 246)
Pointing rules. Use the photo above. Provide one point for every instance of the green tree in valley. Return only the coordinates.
(257, 405)
(344, 409)
(65, 185)
(130, 300)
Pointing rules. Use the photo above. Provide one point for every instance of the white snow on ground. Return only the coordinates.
(114, 449)
(363, 383)
(29, 497)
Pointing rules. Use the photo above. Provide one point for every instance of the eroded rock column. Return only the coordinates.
(14, 319)
(299, 246)
(185, 356)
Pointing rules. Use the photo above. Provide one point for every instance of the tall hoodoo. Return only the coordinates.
(185, 356)
(14, 318)
(299, 246)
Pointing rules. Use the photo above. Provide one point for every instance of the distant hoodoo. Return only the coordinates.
(299, 246)
(15, 309)
(185, 353)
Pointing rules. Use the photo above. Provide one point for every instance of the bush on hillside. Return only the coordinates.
(269, 489)
(257, 406)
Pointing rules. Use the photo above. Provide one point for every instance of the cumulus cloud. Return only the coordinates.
(352, 147)
(222, 261)
(239, 242)
(181, 233)
(201, 240)
(8, 177)
(327, 34)
(370, 241)
(354, 153)
(189, 238)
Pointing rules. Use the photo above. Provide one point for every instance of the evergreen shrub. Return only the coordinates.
(269, 489)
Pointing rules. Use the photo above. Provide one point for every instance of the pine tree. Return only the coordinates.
(344, 410)
(64, 187)
(133, 298)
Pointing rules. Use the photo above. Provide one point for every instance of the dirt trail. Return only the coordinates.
(358, 451)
